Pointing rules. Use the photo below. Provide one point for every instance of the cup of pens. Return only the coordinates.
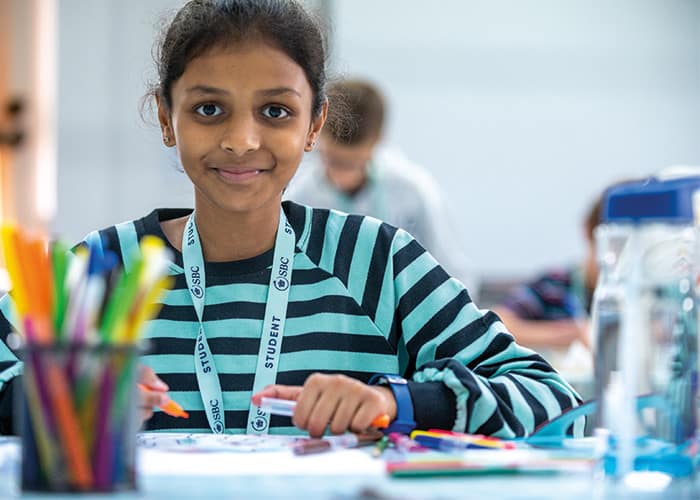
(79, 317)
(78, 417)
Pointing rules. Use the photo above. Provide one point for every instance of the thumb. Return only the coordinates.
(290, 392)
(149, 378)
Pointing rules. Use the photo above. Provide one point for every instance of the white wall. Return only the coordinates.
(525, 109)
(112, 165)
(522, 109)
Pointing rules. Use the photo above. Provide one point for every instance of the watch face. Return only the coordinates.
(395, 379)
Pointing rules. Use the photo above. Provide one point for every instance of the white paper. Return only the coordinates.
(216, 455)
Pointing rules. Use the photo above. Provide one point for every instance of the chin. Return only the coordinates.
(242, 207)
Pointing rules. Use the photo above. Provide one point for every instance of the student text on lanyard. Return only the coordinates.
(273, 324)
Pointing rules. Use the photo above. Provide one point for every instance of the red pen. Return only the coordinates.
(403, 443)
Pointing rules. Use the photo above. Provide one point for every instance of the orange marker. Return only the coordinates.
(171, 407)
(381, 422)
(69, 433)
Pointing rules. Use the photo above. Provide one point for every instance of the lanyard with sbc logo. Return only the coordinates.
(273, 325)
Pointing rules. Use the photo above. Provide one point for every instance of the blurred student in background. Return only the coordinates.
(552, 310)
(355, 174)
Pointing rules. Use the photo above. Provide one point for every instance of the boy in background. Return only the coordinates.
(357, 175)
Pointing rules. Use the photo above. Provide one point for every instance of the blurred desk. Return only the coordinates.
(343, 474)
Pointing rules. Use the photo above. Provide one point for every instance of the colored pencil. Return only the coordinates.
(75, 386)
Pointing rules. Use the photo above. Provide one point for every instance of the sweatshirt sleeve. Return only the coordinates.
(466, 371)
(10, 367)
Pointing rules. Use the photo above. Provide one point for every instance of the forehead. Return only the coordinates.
(248, 66)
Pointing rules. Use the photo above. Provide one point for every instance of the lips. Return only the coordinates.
(238, 174)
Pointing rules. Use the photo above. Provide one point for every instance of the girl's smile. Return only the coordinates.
(237, 173)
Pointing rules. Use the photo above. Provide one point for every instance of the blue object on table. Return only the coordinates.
(446, 444)
(651, 454)
(652, 200)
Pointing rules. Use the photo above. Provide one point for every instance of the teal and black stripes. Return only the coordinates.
(365, 298)
(327, 330)
(9, 364)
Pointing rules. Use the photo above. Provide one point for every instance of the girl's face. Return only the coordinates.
(241, 120)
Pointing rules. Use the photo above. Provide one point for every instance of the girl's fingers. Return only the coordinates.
(289, 392)
(343, 416)
(146, 413)
(310, 392)
(364, 416)
(149, 399)
(340, 402)
(322, 413)
(149, 378)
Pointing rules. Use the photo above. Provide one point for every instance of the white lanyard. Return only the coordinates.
(273, 324)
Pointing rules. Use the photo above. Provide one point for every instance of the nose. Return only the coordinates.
(241, 136)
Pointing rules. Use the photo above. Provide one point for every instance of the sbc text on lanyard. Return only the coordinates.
(272, 331)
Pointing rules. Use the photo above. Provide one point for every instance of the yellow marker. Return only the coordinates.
(19, 290)
(148, 308)
(152, 285)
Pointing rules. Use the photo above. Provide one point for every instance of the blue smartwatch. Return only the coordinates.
(404, 422)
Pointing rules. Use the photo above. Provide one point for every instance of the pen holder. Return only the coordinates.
(79, 417)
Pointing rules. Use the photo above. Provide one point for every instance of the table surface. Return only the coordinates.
(343, 474)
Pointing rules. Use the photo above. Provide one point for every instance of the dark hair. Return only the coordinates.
(363, 105)
(592, 218)
(202, 24)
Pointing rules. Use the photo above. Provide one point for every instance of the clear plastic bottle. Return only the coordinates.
(645, 324)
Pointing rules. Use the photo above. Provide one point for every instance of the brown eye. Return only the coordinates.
(275, 112)
(208, 110)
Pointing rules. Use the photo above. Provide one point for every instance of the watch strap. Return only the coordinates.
(404, 421)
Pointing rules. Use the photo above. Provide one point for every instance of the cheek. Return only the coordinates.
(289, 146)
(192, 142)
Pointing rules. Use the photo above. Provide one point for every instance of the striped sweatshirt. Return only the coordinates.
(365, 298)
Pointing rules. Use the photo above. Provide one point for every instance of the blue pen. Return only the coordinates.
(447, 444)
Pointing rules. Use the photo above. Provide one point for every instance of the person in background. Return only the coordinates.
(355, 173)
(551, 311)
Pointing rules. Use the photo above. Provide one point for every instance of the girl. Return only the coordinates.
(346, 315)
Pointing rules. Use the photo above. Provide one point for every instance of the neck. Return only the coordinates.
(349, 183)
(228, 237)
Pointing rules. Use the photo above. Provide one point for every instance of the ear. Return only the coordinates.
(165, 121)
(316, 126)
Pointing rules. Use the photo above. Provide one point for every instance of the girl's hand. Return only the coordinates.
(154, 393)
(336, 401)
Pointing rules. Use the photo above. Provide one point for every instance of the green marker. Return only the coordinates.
(380, 446)
(122, 299)
(59, 264)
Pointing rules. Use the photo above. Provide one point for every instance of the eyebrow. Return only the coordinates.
(278, 91)
(207, 90)
(267, 92)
